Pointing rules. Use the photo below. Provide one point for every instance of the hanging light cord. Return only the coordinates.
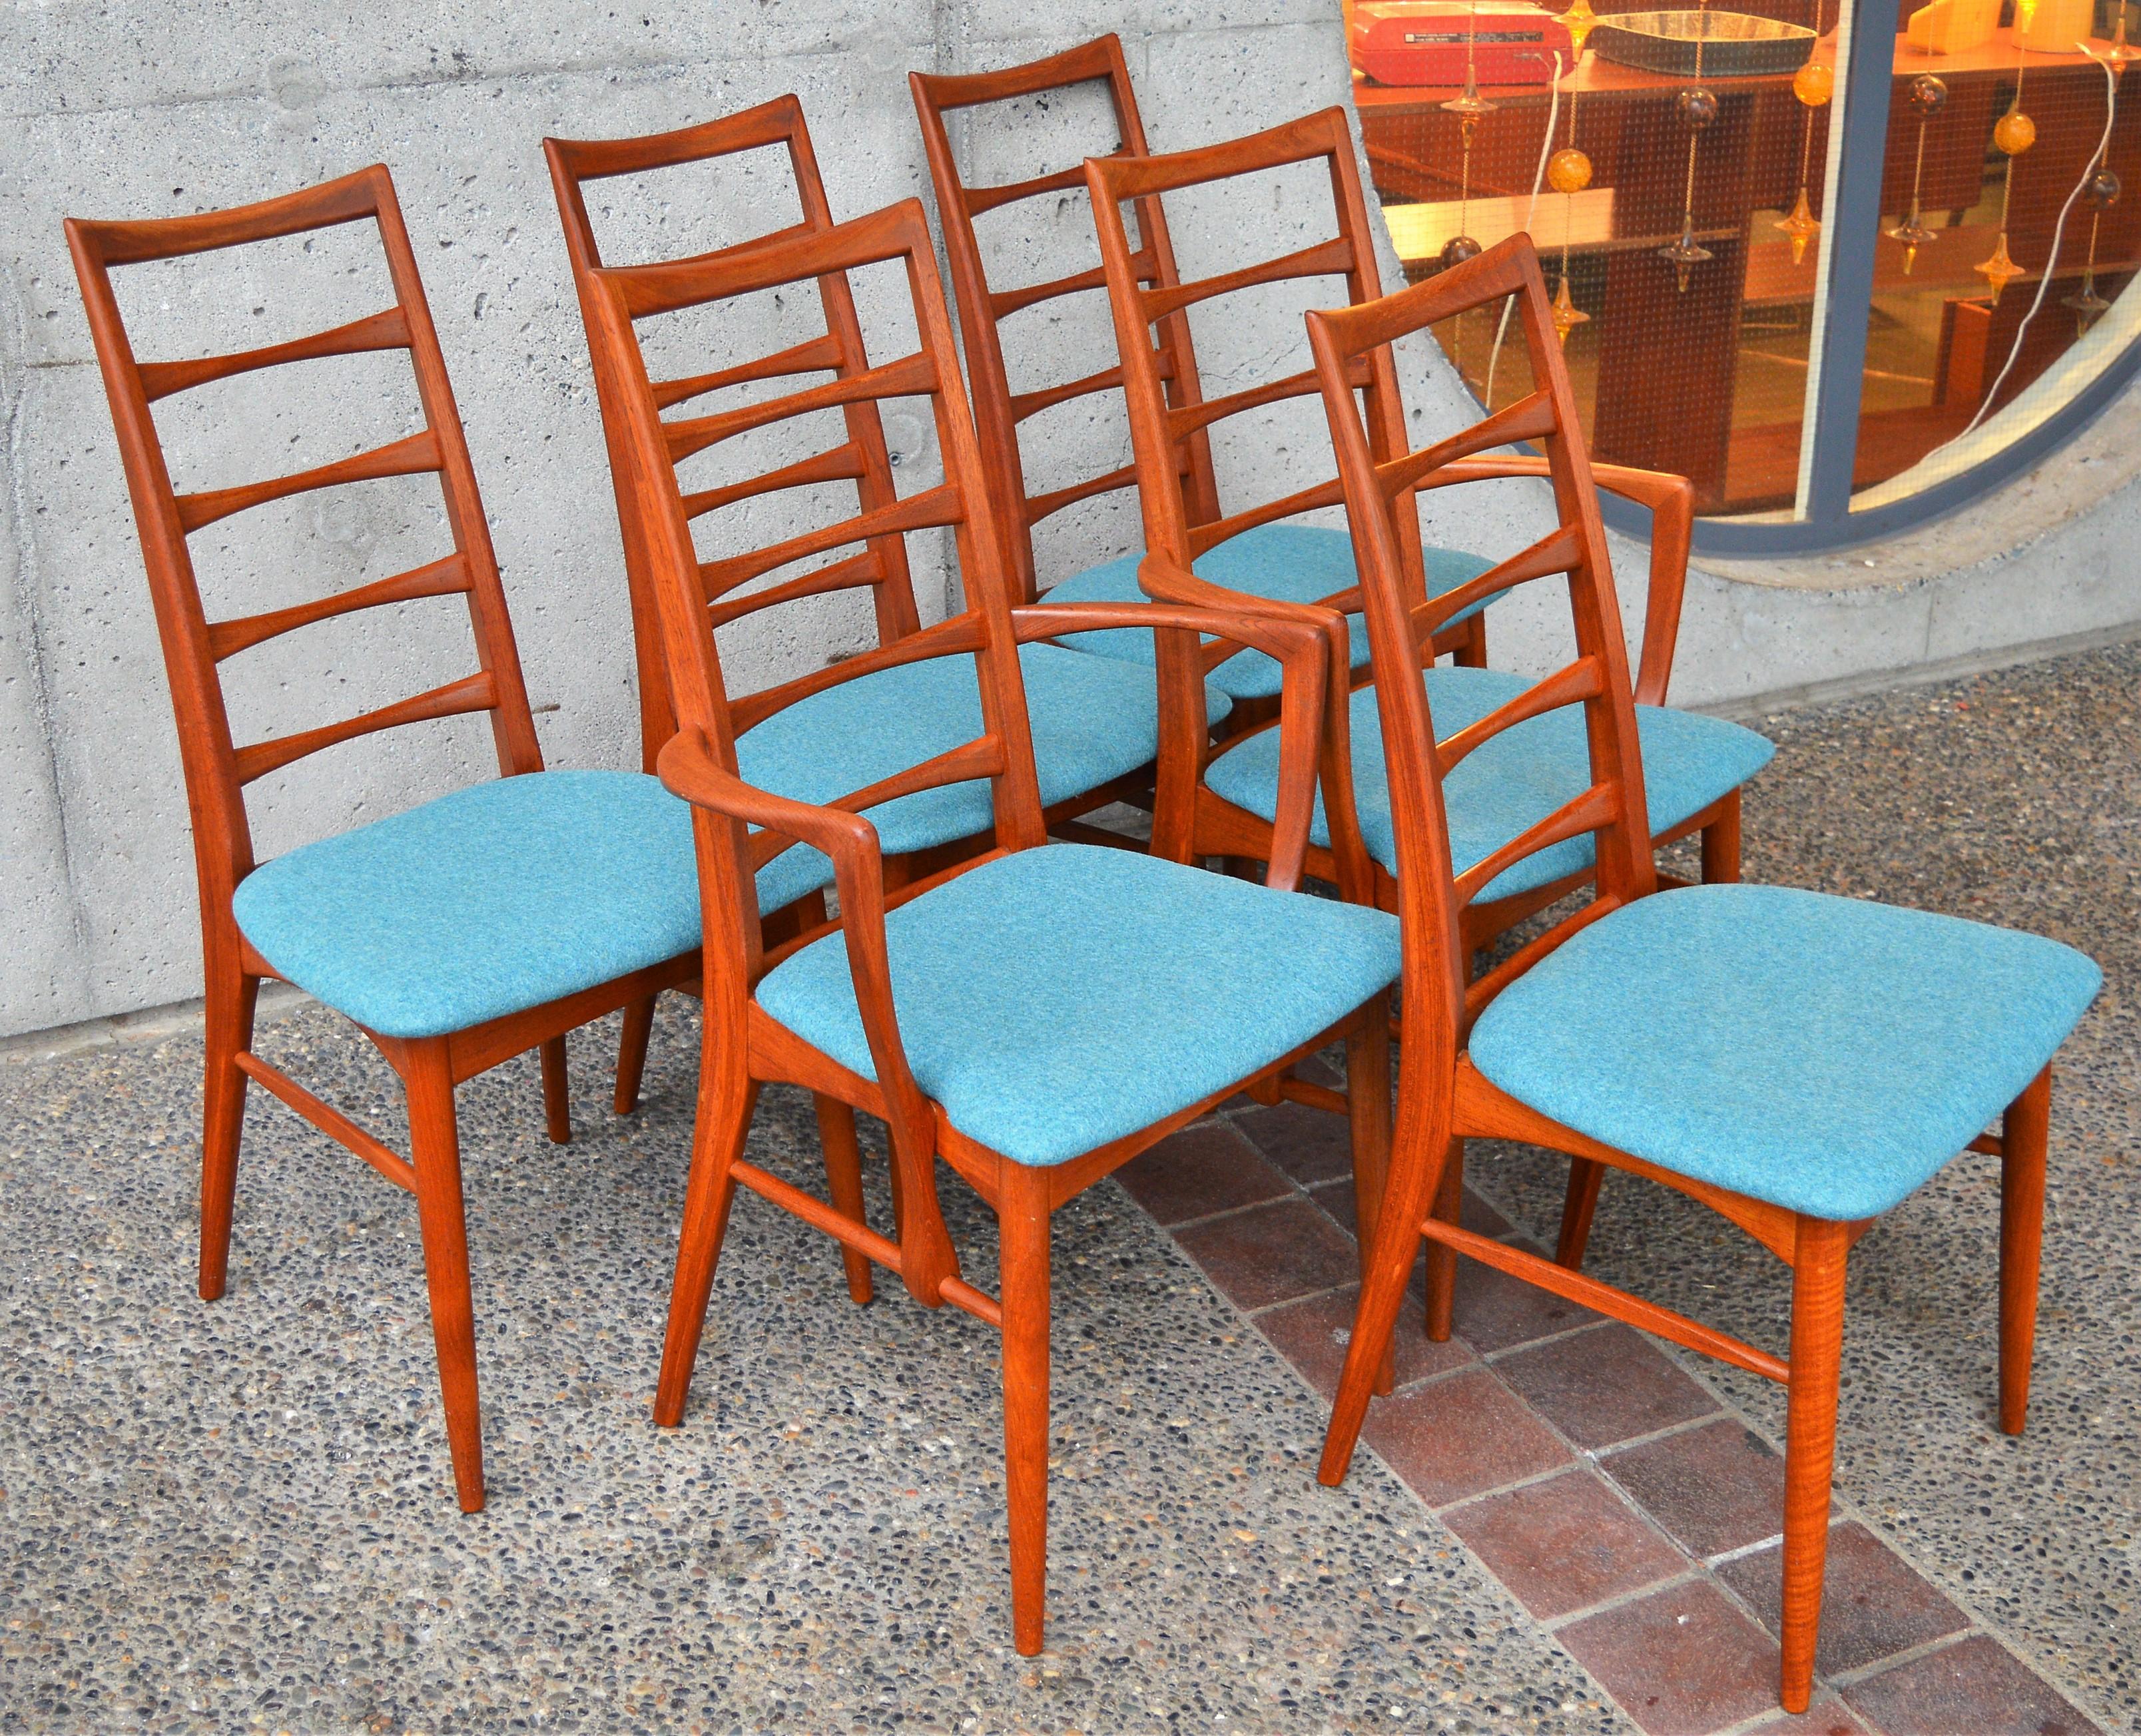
(1531, 210)
(2044, 283)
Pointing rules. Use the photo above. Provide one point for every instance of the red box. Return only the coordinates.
(1427, 43)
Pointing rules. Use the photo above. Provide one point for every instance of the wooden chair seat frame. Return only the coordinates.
(744, 1046)
(1442, 1099)
(983, 312)
(217, 769)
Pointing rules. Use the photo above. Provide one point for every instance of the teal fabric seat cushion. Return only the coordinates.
(488, 900)
(1516, 779)
(1094, 720)
(1060, 998)
(1288, 563)
(1824, 1054)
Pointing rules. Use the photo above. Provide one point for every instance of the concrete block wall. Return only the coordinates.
(109, 111)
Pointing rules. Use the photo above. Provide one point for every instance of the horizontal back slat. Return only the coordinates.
(1205, 537)
(387, 330)
(842, 464)
(477, 692)
(1560, 550)
(961, 636)
(1334, 258)
(1531, 417)
(1570, 685)
(940, 505)
(443, 577)
(856, 571)
(812, 356)
(911, 376)
(1594, 808)
(407, 457)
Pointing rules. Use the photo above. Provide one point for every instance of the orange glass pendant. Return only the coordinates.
(1566, 315)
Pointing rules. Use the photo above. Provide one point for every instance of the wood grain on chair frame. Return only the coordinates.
(217, 770)
(1444, 1099)
(740, 828)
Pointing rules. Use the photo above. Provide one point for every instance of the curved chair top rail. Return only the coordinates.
(619, 297)
(1381, 490)
(999, 410)
(216, 769)
(863, 458)
(1171, 522)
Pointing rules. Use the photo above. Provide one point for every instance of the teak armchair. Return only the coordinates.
(1034, 1016)
(1796, 1061)
(1298, 562)
(456, 934)
(1096, 726)
(1700, 761)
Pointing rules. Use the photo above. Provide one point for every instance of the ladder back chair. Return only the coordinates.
(1798, 1061)
(1298, 562)
(1698, 762)
(1097, 729)
(1036, 1015)
(456, 934)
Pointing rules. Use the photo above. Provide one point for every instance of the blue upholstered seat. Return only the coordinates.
(1517, 778)
(488, 900)
(1824, 1054)
(1094, 720)
(1289, 563)
(1060, 998)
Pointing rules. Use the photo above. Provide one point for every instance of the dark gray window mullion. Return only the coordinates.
(1854, 233)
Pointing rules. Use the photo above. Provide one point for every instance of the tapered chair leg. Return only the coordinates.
(1442, 1261)
(843, 1181)
(717, 1139)
(1576, 1209)
(232, 997)
(1817, 1270)
(1368, 1117)
(1720, 844)
(1022, 1213)
(1415, 1173)
(435, 1154)
(556, 1092)
(632, 1053)
(2025, 1134)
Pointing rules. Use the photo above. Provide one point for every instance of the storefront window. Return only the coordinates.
(1839, 269)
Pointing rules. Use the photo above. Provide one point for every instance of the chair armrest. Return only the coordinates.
(689, 769)
(1671, 503)
(1299, 640)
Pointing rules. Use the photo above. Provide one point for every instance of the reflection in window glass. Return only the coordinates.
(1674, 169)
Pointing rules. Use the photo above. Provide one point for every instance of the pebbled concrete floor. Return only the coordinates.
(239, 1516)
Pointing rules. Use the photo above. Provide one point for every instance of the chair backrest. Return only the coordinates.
(864, 458)
(1381, 498)
(1175, 523)
(689, 593)
(998, 410)
(216, 769)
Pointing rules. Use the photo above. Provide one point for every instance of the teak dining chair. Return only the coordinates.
(1035, 1016)
(1096, 726)
(1698, 763)
(1299, 562)
(455, 934)
(1799, 1062)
